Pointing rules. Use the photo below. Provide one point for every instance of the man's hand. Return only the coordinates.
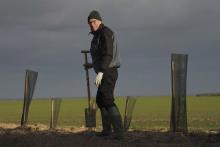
(98, 79)
(88, 65)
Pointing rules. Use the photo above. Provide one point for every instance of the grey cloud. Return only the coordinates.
(47, 35)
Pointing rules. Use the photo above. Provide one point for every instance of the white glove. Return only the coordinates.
(98, 79)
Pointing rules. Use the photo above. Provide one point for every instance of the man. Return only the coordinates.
(105, 61)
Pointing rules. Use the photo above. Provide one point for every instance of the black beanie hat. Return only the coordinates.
(94, 15)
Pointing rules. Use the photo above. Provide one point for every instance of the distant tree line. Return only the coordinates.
(208, 94)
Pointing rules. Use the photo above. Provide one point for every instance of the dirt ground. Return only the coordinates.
(11, 135)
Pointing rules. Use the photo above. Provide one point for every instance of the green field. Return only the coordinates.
(150, 112)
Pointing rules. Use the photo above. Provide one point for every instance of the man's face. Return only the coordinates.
(94, 24)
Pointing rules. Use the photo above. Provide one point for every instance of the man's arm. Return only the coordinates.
(106, 50)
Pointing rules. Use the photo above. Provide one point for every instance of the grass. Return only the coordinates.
(150, 112)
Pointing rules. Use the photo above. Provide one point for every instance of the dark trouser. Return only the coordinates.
(105, 93)
(105, 101)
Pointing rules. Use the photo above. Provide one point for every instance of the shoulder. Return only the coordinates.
(106, 31)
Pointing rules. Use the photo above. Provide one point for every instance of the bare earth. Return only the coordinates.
(11, 135)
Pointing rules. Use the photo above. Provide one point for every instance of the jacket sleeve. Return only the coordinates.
(106, 50)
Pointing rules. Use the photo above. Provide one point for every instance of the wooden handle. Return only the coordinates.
(85, 51)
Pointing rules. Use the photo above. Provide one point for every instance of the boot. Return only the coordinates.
(106, 124)
(116, 121)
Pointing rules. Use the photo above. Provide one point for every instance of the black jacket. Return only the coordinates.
(104, 50)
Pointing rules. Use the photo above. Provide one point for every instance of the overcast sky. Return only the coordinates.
(47, 36)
